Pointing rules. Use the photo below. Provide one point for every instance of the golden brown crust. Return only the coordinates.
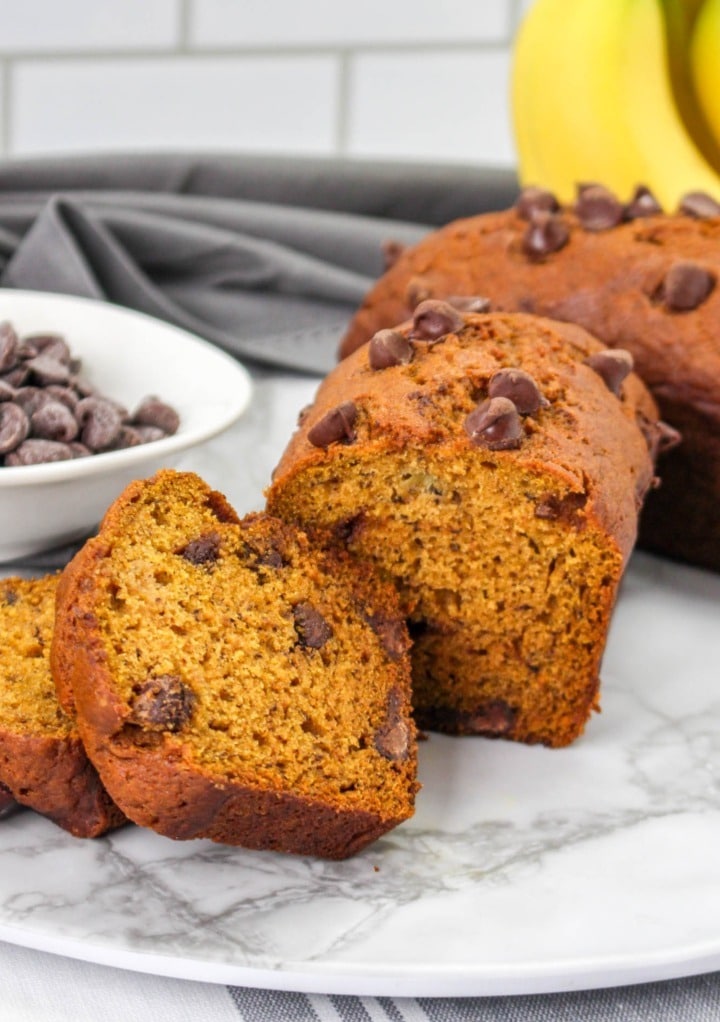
(610, 282)
(166, 774)
(580, 468)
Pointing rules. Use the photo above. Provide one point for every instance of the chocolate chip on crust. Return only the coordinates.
(163, 703)
(686, 286)
(643, 203)
(536, 200)
(434, 319)
(519, 387)
(469, 303)
(495, 424)
(598, 209)
(545, 234)
(312, 628)
(336, 426)
(389, 348)
(699, 204)
(612, 365)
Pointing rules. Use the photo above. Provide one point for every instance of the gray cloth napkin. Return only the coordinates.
(265, 257)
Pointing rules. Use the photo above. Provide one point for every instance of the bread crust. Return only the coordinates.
(611, 283)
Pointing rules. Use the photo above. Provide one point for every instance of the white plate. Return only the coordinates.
(524, 870)
(127, 356)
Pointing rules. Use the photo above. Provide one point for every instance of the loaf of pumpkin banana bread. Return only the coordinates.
(492, 467)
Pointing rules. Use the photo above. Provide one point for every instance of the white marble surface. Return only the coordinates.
(524, 869)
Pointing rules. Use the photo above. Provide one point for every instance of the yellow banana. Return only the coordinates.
(705, 62)
(593, 100)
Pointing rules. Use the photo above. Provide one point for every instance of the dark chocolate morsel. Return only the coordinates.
(312, 628)
(337, 425)
(417, 290)
(469, 303)
(203, 550)
(612, 365)
(48, 369)
(434, 319)
(392, 739)
(14, 426)
(554, 508)
(53, 420)
(699, 204)
(495, 424)
(686, 286)
(389, 348)
(163, 703)
(36, 451)
(666, 437)
(598, 209)
(154, 412)
(391, 252)
(392, 634)
(546, 233)
(535, 200)
(9, 344)
(643, 203)
(519, 387)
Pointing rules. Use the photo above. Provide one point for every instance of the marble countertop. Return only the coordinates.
(523, 870)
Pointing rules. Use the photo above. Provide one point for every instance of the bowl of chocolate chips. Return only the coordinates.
(93, 396)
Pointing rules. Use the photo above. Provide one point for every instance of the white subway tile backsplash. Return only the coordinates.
(271, 104)
(37, 26)
(448, 106)
(334, 22)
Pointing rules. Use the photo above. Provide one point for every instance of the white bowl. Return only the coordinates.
(127, 356)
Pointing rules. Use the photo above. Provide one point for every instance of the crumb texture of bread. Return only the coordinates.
(233, 681)
(648, 284)
(42, 760)
(506, 548)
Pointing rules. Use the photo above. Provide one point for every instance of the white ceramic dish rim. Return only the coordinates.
(112, 461)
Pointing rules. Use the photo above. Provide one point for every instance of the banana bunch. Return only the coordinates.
(619, 92)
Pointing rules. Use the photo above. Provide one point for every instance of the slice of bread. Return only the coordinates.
(43, 764)
(231, 680)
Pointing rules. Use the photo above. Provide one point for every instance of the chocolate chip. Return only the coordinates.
(392, 634)
(100, 422)
(612, 365)
(389, 348)
(336, 426)
(154, 412)
(31, 398)
(519, 387)
(534, 200)
(434, 319)
(9, 344)
(7, 393)
(46, 369)
(14, 426)
(148, 434)
(686, 286)
(203, 550)
(163, 703)
(565, 508)
(469, 303)
(54, 421)
(495, 424)
(35, 452)
(643, 203)
(392, 739)
(666, 438)
(262, 556)
(546, 233)
(598, 209)
(312, 628)
(699, 204)
(391, 252)
(53, 345)
(9, 595)
(417, 290)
